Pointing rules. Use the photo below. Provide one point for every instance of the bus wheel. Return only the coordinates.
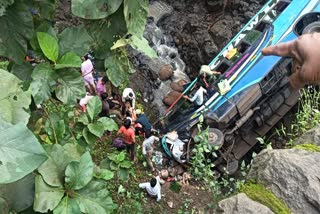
(311, 28)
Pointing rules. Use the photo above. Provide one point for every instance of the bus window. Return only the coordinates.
(223, 67)
(281, 6)
(261, 26)
(243, 46)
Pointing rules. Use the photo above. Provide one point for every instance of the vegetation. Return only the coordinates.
(258, 192)
(308, 147)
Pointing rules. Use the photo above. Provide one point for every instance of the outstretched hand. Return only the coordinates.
(305, 52)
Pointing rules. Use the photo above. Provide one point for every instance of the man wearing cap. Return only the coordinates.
(143, 121)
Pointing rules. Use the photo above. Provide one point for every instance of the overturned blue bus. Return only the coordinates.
(252, 93)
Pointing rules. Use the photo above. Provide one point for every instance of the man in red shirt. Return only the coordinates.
(129, 137)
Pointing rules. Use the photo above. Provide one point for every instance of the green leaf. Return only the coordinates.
(88, 136)
(46, 197)
(108, 124)
(45, 27)
(96, 128)
(104, 174)
(119, 43)
(80, 46)
(20, 152)
(70, 59)
(126, 164)
(94, 107)
(52, 170)
(79, 174)
(67, 206)
(13, 100)
(18, 25)
(94, 198)
(118, 67)
(70, 86)
(24, 199)
(3, 6)
(123, 174)
(106, 32)
(120, 157)
(141, 44)
(43, 81)
(48, 45)
(46, 9)
(94, 9)
(136, 13)
(23, 72)
(4, 207)
(83, 118)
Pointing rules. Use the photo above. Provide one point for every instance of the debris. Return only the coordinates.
(170, 204)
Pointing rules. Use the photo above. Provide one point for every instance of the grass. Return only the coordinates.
(259, 193)
(308, 147)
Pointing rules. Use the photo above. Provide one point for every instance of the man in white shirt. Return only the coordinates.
(128, 96)
(198, 97)
(147, 148)
(86, 72)
(153, 188)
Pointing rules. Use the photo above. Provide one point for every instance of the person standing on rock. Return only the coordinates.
(128, 96)
(86, 72)
(147, 148)
(129, 138)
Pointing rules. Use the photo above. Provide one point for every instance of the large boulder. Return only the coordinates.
(171, 97)
(178, 86)
(165, 72)
(311, 136)
(241, 204)
(292, 175)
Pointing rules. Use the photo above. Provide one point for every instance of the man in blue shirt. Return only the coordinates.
(143, 121)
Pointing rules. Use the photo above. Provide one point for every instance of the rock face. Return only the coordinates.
(171, 97)
(312, 136)
(241, 204)
(292, 175)
(200, 29)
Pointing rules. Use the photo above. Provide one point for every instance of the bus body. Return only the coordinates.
(252, 93)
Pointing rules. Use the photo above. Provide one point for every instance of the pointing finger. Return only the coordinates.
(283, 49)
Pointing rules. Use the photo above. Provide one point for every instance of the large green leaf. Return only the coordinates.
(108, 124)
(118, 68)
(4, 206)
(48, 45)
(94, 107)
(104, 174)
(70, 86)
(119, 44)
(106, 32)
(136, 13)
(17, 28)
(20, 152)
(96, 128)
(141, 44)
(23, 72)
(43, 80)
(94, 9)
(18, 195)
(13, 100)
(70, 59)
(67, 41)
(4, 4)
(79, 174)
(45, 8)
(94, 198)
(67, 206)
(88, 136)
(52, 170)
(46, 197)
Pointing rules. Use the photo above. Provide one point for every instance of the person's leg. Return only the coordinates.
(148, 158)
(128, 148)
(132, 148)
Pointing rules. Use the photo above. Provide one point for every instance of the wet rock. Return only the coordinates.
(292, 175)
(158, 10)
(241, 204)
(178, 86)
(166, 72)
(171, 97)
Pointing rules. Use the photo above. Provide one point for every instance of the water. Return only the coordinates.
(166, 50)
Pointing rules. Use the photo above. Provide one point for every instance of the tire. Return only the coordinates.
(311, 28)
(215, 138)
(230, 168)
